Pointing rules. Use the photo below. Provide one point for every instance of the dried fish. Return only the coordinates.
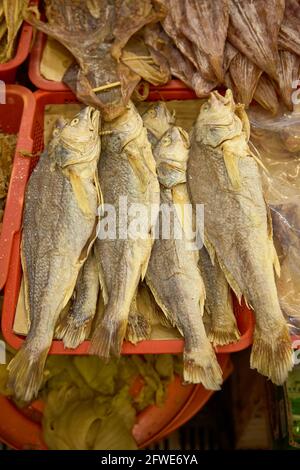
(88, 36)
(127, 177)
(58, 228)
(205, 23)
(173, 274)
(265, 94)
(253, 30)
(289, 37)
(180, 66)
(245, 76)
(223, 174)
(289, 69)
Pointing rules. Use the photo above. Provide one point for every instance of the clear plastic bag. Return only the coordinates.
(277, 139)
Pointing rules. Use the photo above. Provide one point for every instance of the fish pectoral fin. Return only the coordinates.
(80, 192)
(241, 113)
(99, 192)
(231, 160)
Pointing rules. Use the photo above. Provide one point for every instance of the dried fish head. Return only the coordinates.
(123, 129)
(171, 155)
(157, 119)
(217, 121)
(80, 138)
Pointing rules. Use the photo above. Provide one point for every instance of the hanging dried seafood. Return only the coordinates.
(253, 30)
(205, 23)
(265, 94)
(289, 34)
(289, 68)
(164, 51)
(245, 75)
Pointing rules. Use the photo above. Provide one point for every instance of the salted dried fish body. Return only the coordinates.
(219, 318)
(89, 38)
(157, 120)
(289, 68)
(289, 37)
(253, 30)
(165, 50)
(136, 56)
(205, 23)
(238, 230)
(58, 228)
(127, 170)
(131, 16)
(173, 274)
(76, 325)
(265, 94)
(245, 75)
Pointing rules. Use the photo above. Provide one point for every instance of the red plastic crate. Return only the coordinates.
(9, 69)
(16, 117)
(15, 203)
(21, 429)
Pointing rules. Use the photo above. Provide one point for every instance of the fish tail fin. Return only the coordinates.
(138, 327)
(109, 334)
(72, 331)
(220, 337)
(202, 367)
(26, 373)
(223, 328)
(272, 355)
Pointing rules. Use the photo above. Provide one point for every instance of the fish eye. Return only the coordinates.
(56, 132)
(152, 113)
(74, 122)
(166, 141)
(205, 106)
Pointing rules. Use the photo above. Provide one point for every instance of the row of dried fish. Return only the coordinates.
(251, 47)
(145, 159)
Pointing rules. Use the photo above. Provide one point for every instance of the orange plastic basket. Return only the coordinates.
(10, 251)
(9, 69)
(16, 117)
(21, 429)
